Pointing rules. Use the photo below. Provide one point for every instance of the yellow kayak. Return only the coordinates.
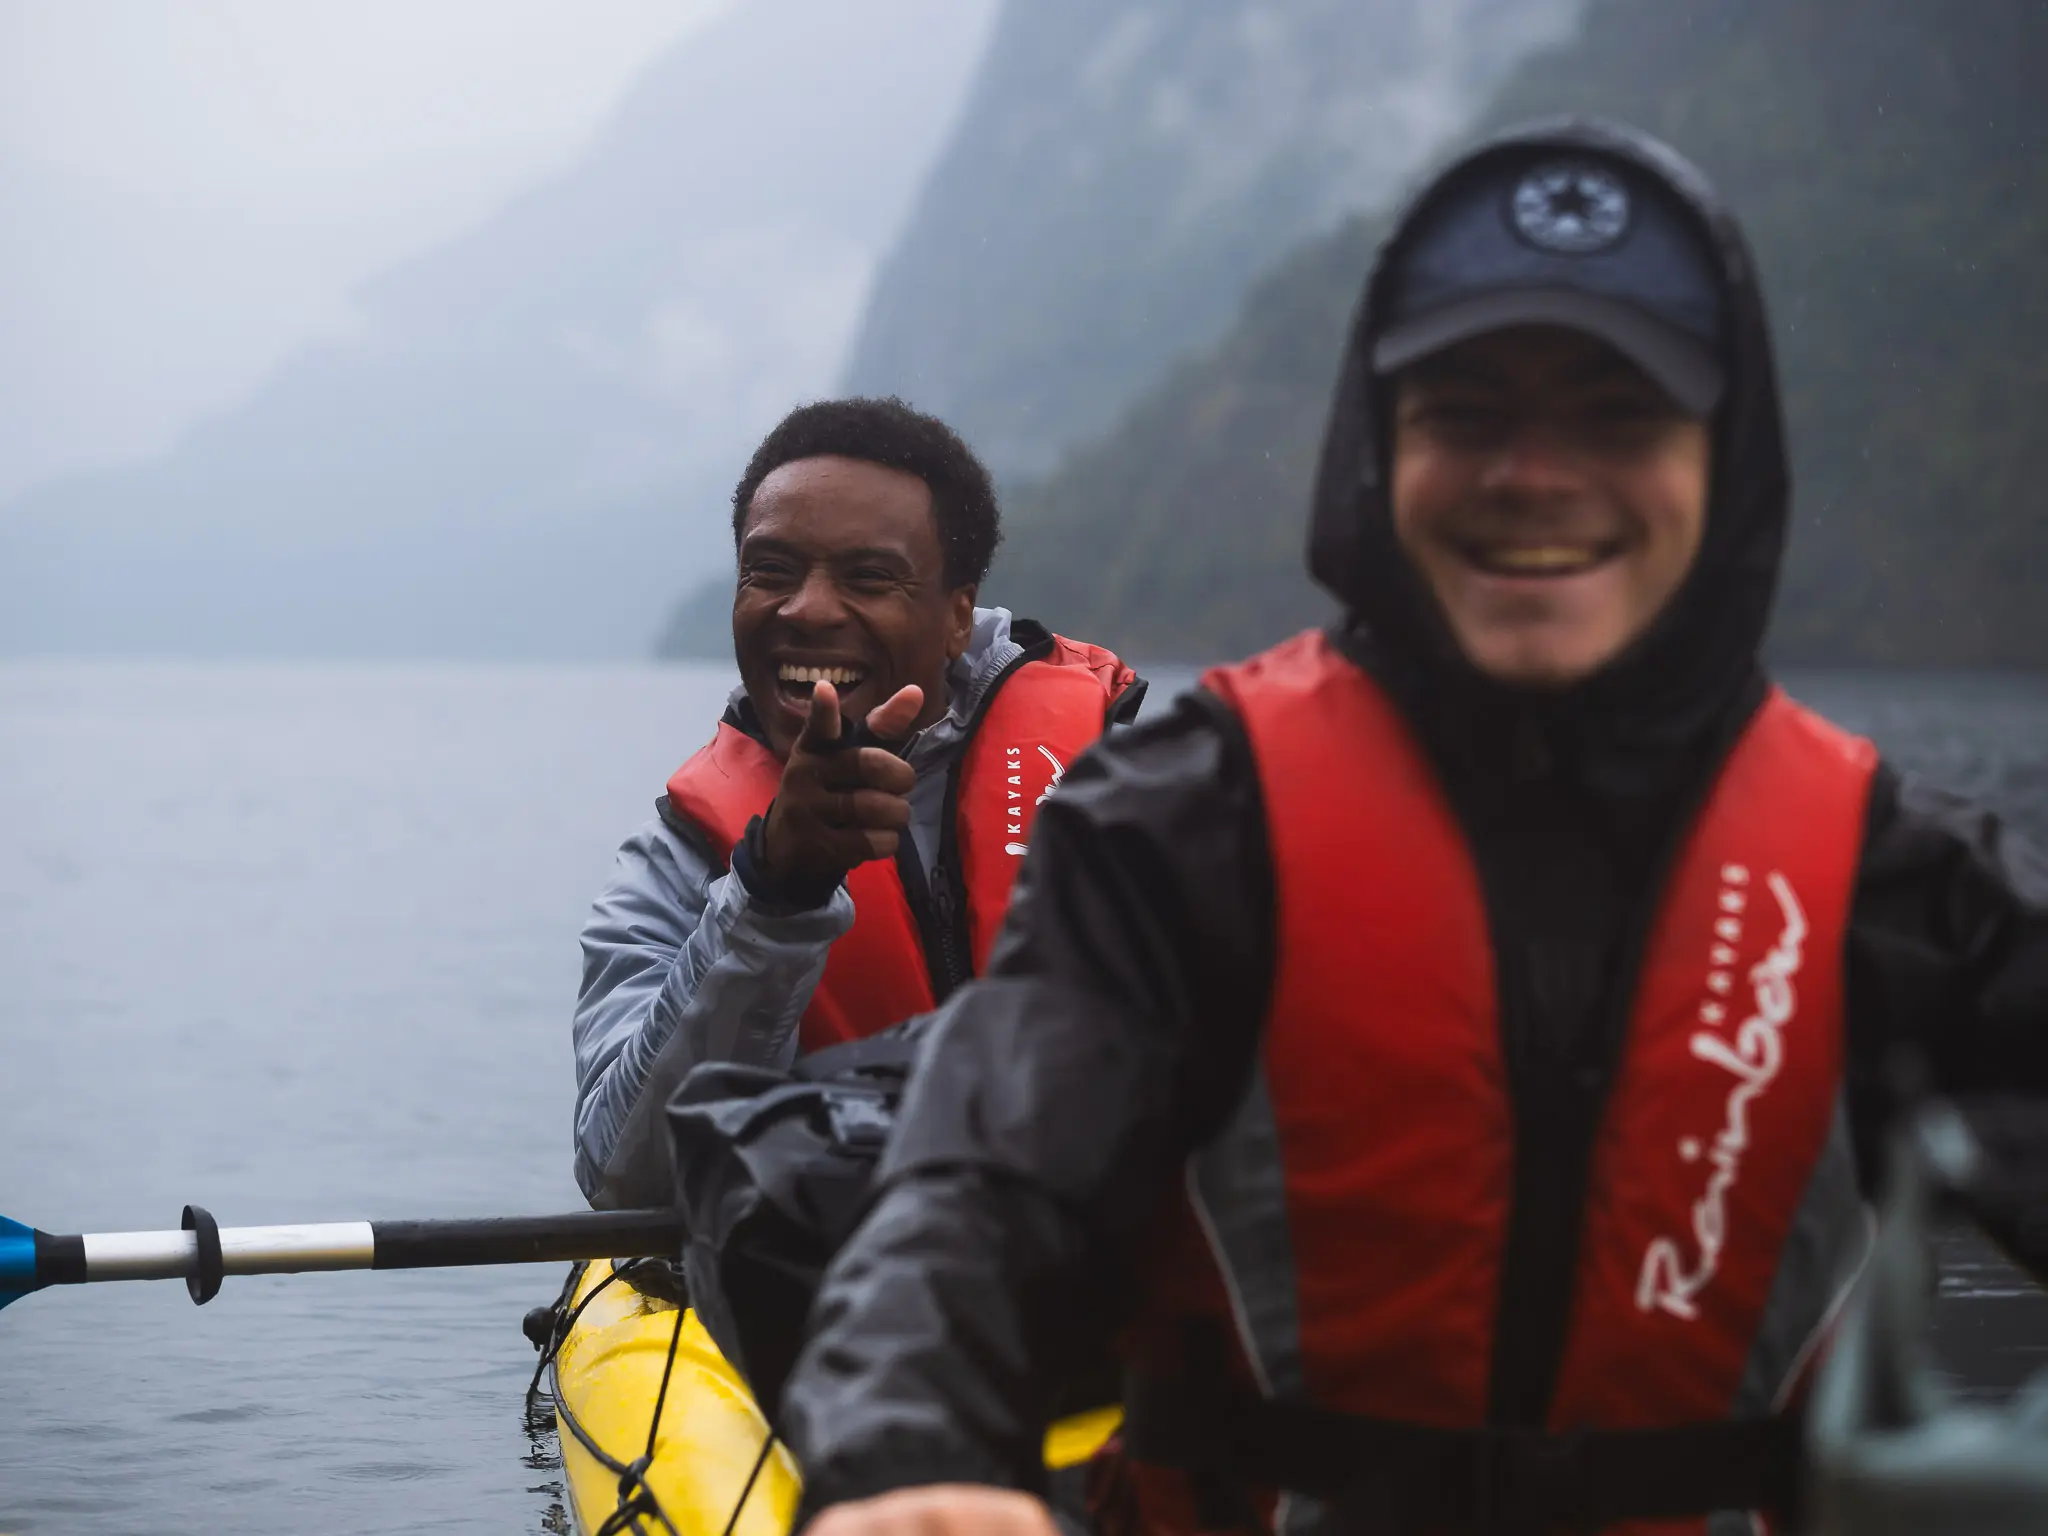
(712, 1447)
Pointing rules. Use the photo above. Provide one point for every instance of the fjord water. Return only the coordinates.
(299, 944)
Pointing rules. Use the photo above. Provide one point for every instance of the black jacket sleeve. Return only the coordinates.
(1053, 1106)
(1947, 957)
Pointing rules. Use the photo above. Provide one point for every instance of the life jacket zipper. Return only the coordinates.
(1540, 1253)
(951, 965)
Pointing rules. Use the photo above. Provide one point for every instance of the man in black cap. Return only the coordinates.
(1448, 1050)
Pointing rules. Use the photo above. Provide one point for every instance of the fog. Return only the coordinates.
(442, 331)
(374, 377)
(344, 331)
(191, 191)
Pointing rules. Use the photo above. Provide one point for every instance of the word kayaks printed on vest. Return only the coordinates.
(1013, 765)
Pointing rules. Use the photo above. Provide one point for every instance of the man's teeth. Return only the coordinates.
(1542, 557)
(838, 677)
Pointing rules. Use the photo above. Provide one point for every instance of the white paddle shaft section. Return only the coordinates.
(243, 1251)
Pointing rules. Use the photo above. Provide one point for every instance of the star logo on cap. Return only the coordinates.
(1571, 207)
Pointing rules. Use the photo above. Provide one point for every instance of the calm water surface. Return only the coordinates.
(298, 944)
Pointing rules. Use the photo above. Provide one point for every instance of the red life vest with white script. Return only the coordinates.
(1035, 719)
(1357, 1207)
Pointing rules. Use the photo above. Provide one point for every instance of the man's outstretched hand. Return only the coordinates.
(835, 809)
(943, 1509)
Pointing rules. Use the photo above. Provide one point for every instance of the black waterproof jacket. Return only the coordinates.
(1062, 1094)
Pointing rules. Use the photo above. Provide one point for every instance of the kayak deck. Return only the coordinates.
(607, 1375)
(712, 1433)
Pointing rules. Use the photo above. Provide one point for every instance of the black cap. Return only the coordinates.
(1576, 239)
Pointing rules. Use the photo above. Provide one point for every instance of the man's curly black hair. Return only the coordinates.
(890, 433)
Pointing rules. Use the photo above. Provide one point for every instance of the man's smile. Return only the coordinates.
(797, 673)
(1545, 559)
(800, 679)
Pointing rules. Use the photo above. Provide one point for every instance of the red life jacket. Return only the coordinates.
(1041, 713)
(1356, 1210)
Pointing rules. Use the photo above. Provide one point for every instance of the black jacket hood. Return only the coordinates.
(1697, 664)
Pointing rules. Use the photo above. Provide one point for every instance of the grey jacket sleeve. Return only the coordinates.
(680, 965)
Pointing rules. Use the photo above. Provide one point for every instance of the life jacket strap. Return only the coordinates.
(1397, 1476)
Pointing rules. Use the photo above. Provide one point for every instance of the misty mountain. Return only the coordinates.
(525, 444)
(1121, 172)
(1890, 161)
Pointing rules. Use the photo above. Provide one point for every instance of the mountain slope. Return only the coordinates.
(524, 447)
(1121, 173)
(1891, 163)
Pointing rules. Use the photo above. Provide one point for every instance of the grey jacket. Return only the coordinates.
(682, 965)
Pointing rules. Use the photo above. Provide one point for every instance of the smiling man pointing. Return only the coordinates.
(802, 887)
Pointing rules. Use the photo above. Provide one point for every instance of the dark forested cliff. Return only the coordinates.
(1890, 160)
(1123, 169)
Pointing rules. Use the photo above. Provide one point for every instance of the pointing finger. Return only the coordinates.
(821, 725)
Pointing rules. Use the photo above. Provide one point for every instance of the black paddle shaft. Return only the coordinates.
(635, 1234)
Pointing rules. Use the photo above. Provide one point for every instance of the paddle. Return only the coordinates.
(202, 1252)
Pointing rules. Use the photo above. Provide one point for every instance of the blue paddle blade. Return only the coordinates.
(17, 1260)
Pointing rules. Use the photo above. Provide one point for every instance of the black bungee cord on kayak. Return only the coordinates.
(636, 1497)
(548, 1327)
(732, 1520)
